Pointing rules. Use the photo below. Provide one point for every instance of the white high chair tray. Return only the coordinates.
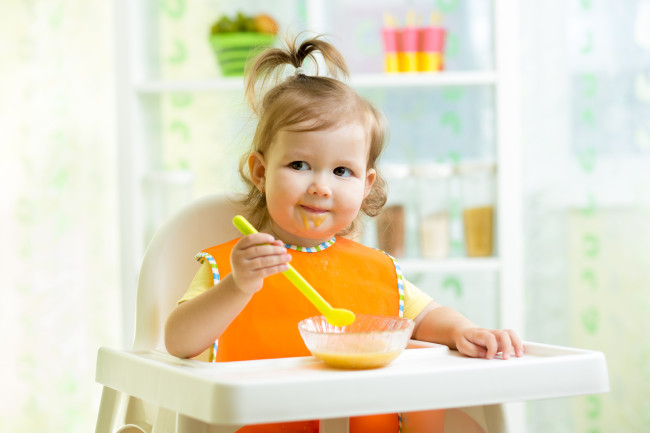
(249, 392)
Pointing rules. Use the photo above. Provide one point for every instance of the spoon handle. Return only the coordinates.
(306, 289)
(243, 225)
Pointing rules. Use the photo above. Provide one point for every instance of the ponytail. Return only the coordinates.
(270, 65)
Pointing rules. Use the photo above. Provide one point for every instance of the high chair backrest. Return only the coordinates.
(169, 265)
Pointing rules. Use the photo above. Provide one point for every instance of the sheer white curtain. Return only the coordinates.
(586, 123)
(58, 211)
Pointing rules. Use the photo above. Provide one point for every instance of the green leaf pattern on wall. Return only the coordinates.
(591, 245)
(590, 317)
(178, 53)
(177, 136)
(453, 284)
(588, 45)
(590, 208)
(447, 6)
(451, 121)
(590, 279)
(174, 9)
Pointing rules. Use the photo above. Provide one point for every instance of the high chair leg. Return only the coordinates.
(495, 416)
(107, 410)
(135, 428)
(165, 422)
(476, 419)
(138, 415)
(334, 425)
(121, 413)
(186, 424)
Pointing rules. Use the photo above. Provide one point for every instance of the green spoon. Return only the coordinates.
(335, 316)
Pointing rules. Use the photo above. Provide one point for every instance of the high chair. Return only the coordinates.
(147, 390)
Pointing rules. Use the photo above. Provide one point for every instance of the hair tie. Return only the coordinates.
(300, 71)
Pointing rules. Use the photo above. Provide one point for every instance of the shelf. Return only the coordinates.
(210, 85)
(359, 81)
(465, 78)
(487, 264)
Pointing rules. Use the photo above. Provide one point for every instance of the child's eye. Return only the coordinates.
(299, 165)
(342, 171)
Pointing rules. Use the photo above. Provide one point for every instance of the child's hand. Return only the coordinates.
(485, 343)
(254, 258)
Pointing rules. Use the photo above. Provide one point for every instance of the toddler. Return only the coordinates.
(311, 174)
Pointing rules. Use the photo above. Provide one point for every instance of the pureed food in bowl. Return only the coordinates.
(369, 342)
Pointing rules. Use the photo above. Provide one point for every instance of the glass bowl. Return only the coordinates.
(369, 342)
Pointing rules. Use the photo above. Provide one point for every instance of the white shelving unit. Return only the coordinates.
(138, 132)
(358, 81)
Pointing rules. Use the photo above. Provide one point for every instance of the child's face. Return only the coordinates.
(314, 181)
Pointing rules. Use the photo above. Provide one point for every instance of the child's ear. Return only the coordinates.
(371, 175)
(257, 170)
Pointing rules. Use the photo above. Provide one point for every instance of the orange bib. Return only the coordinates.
(347, 274)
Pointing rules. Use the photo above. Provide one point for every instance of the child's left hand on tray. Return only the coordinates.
(486, 343)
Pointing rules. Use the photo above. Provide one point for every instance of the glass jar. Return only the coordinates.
(478, 197)
(433, 201)
(394, 234)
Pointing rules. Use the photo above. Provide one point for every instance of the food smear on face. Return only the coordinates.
(357, 360)
(318, 219)
(315, 218)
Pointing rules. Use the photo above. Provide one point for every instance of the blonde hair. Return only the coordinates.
(306, 103)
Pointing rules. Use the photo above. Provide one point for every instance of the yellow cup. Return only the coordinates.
(408, 62)
(428, 62)
(391, 62)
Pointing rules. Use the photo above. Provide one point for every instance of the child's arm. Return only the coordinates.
(444, 325)
(195, 324)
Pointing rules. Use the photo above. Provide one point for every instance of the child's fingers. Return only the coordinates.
(271, 270)
(505, 343)
(269, 261)
(256, 239)
(484, 342)
(256, 252)
(491, 344)
(256, 256)
(249, 273)
(517, 344)
(257, 245)
(468, 348)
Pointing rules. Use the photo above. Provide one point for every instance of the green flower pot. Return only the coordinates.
(234, 49)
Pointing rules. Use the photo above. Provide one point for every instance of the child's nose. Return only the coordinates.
(319, 188)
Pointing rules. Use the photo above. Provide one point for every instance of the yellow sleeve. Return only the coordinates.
(201, 282)
(414, 300)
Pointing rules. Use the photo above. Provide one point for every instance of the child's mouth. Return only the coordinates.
(313, 215)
